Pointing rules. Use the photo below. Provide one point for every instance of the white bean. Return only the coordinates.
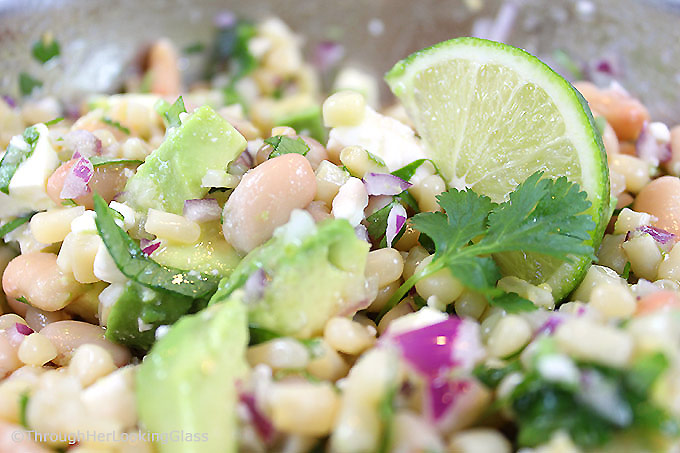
(67, 336)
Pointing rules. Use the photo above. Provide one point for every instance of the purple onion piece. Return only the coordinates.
(430, 349)
(442, 395)
(150, 247)
(83, 143)
(23, 329)
(263, 426)
(396, 220)
(384, 184)
(549, 327)
(203, 210)
(327, 54)
(245, 159)
(659, 235)
(649, 150)
(9, 100)
(604, 66)
(77, 179)
(255, 285)
(362, 233)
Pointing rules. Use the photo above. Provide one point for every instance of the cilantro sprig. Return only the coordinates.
(283, 144)
(541, 216)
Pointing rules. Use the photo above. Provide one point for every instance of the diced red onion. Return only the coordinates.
(605, 66)
(23, 329)
(396, 220)
(549, 326)
(255, 285)
(225, 19)
(659, 235)
(361, 232)
(83, 143)
(263, 426)
(148, 247)
(385, 184)
(76, 180)
(649, 150)
(203, 210)
(436, 348)
(245, 159)
(442, 394)
(9, 100)
(327, 54)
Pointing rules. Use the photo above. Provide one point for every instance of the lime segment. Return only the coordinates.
(490, 115)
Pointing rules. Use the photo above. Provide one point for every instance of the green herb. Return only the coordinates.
(491, 376)
(116, 124)
(54, 121)
(135, 265)
(23, 300)
(15, 156)
(376, 159)
(45, 49)
(386, 410)
(231, 51)
(13, 225)
(172, 114)
(542, 216)
(27, 84)
(69, 202)
(283, 144)
(567, 62)
(23, 405)
(376, 223)
(231, 96)
(411, 202)
(626, 271)
(513, 303)
(407, 171)
(98, 161)
(196, 47)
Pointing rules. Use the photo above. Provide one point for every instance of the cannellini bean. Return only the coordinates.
(37, 277)
(425, 192)
(383, 296)
(477, 440)
(402, 308)
(164, 68)
(37, 319)
(279, 354)
(67, 336)
(470, 304)
(413, 433)
(415, 256)
(107, 181)
(409, 239)
(328, 365)
(348, 336)
(319, 211)
(265, 198)
(661, 198)
(508, 336)
(317, 152)
(24, 444)
(8, 356)
(625, 113)
(303, 407)
(441, 284)
(36, 350)
(10, 319)
(386, 265)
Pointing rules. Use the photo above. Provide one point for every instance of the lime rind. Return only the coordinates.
(580, 134)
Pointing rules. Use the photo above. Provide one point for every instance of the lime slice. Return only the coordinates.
(490, 115)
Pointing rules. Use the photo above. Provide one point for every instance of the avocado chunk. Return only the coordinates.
(301, 277)
(172, 174)
(138, 311)
(187, 383)
(211, 254)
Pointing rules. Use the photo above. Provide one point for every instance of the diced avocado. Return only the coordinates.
(305, 121)
(301, 279)
(187, 383)
(211, 254)
(172, 174)
(137, 313)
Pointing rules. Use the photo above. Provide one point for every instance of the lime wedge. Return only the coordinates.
(490, 115)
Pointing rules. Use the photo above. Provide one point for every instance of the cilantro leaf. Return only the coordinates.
(172, 114)
(407, 171)
(283, 144)
(15, 155)
(376, 159)
(14, 224)
(54, 121)
(542, 216)
(98, 161)
(45, 49)
(27, 84)
(116, 124)
(513, 303)
(23, 405)
(22, 299)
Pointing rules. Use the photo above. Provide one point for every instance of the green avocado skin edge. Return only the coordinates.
(187, 385)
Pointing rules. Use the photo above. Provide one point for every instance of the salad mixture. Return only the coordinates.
(243, 265)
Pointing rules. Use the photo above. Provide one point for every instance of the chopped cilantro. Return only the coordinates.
(513, 303)
(626, 271)
(45, 48)
(542, 216)
(13, 225)
(283, 144)
(116, 124)
(407, 171)
(98, 161)
(23, 300)
(231, 51)
(15, 156)
(69, 202)
(27, 84)
(491, 376)
(23, 405)
(171, 115)
(196, 47)
(54, 121)
(376, 159)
